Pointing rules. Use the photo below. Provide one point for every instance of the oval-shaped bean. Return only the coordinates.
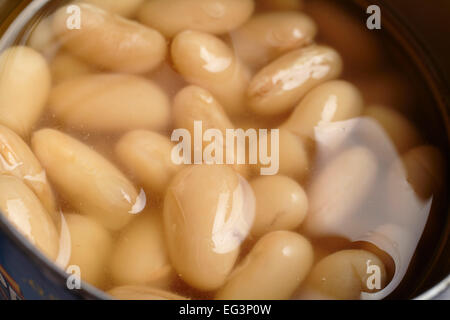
(143, 293)
(91, 247)
(402, 132)
(290, 153)
(281, 84)
(208, 212)
(266, 36)
(280, 4)
(110, 102)
(92, 185)
(331, 101)
(338, 189)
(147, 155)
(25, 212)
(273, 269)
(110, 41)
(140, 256)
(281, 204)
(17, 159)
(344, 275)
(125, 8)
(212, 16)
(206, 61)
(425, 170)
(24, 87)
(65, 66)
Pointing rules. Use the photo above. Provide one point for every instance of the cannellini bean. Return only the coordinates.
(110, 102)
(42, 38)
(91, 247)
(208, 212)
(140, 255)
(276, 88)
(17, 159)
(91, 184)
(293, 157)
(143, 293)
(25, 212)
(273, 269)
(341, 30)
(212, 16)
(268, 35)
(280, 4)
(24, 87)
(344, 275)
(281, 204)
(338, 189)
(402, 132)
(110, 41)
(147, 155)
(331, 101)
(125, 8)
(206, 61)
(65, 66)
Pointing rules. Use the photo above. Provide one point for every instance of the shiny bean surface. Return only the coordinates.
(273, 269)
(110, 102)
(282, 83)
(22, 98)
(110, 41)
(25, 212)
(206, 61)
(142, 293)
(87, 180)
(125, 8)
(212, 16)
(208, 212)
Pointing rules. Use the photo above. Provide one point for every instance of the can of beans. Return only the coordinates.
(111, 184)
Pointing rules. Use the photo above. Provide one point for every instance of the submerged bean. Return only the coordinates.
(281, 84)
(25, 212)
(125, 8)
(89, 182)
(25, 82)
(142, 293)
(208, 212)
(110, 102)
(273, 269)
(212, 16)
(110, 41)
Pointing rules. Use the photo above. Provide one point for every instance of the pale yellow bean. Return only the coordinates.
(42, 37)
(143, 293)
(273, 269)
(293, 157)
(402, 132)
(125, 8)
(206, 61)
(65, 66)
(212, 16)
(91, 184)
(140, 256)
(266, 36)
(331, 101)
(344, 275)
(279, 4)
(91, 247)
(110, 41)
(25, 212)
(17, 159)
(281, 204)
(338, 189)
(147, 155)
(24, 87)
(280, 85)
(110, 102)
(208, 212)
